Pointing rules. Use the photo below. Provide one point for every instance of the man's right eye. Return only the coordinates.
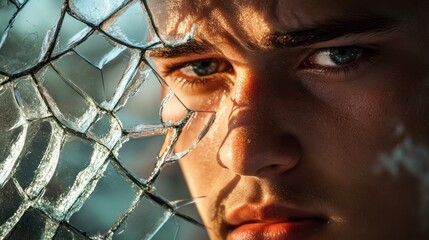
(200, 76)
(201, 68)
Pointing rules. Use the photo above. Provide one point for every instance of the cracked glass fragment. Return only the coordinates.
(79, 161)
(26, 41)
(7, 9)
(11, 115)
(19, 3)
(112, 192)
(135, 226)
(143, 107)
(33, 225)
(88, 79)
(139, 155)
(71, 108)
(3, 78)
(39, 156)
(117, 65)
(192, 132)
(29, 98)
(10, 201)
(130, 26)
(178, 228)
(72, 31)
(106, 130)
(65, 233)
(171, 27)
(12, 142)
(95, 11)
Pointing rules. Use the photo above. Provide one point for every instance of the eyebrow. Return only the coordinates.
(316, 33)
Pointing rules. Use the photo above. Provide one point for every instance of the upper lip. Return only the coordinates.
(269, 213)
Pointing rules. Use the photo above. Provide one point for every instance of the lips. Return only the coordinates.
(272, 222)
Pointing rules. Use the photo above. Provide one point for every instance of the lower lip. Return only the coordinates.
(277, 231)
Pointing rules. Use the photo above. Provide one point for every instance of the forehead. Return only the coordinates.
(253, 19)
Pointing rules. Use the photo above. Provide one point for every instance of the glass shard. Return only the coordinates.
(88, 79)
(3, 79)
(11, 115)
(29, 98)
(98, 50)
(135, 227)
(139, 155)
(33, 225)
(7, 9)
(72, 109)
(39, 156)
(144, 106)
(117, 65)
(12, 143)
(66, 233)
(95, 11)
(106, 130)
(72, 31)
(172, 26)
(131, 26)
(191, 133)
(79, 161)
(112, 192)
(180, 229)
(10, 201)
(25, 42)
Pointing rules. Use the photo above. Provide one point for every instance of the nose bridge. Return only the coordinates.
(255, 143)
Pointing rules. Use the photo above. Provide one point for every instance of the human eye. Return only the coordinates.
(338, 61)
(198, 76)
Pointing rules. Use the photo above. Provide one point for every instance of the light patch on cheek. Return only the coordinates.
(414, 158)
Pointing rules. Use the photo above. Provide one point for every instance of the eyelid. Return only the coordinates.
(224, 66)
(367, 57)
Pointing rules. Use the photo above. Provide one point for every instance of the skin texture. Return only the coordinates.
(292, 134)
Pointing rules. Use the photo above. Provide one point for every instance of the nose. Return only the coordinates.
(257, 141)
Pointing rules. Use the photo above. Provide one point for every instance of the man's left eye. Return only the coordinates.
(335, 57)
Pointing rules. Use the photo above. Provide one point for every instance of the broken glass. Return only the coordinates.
(85, 129)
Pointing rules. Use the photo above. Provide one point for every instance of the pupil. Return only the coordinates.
(205, 68)
(341, 56)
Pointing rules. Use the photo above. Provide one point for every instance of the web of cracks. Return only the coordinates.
(36, 117)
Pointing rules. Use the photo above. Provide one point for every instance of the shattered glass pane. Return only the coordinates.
(87, 127)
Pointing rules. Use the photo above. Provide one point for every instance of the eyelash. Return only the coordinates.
(367, 56)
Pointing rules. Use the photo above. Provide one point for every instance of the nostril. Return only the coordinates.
(277, 168)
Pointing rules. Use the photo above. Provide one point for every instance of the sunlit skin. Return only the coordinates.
(299, 129)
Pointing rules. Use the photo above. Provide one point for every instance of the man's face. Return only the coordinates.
(309, 95)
